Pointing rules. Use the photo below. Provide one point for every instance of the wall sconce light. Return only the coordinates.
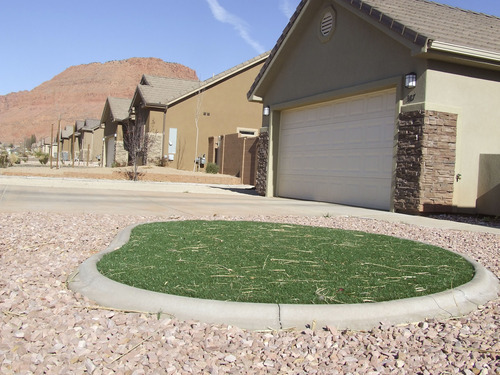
(267, 111)
(411, 80)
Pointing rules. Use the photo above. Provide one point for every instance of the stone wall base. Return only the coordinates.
(425, 166)
(121, 155)
(262, 162)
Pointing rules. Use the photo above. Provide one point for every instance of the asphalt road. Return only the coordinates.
(35, 194)
(65, 195)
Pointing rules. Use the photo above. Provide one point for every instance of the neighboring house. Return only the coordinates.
(114, 117)
(181, 115)
(79, 124)
(386, 104)
(67, 145)
(218, 106)
(149, 107)
(91, 147)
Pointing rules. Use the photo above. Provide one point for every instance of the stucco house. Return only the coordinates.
(148, 109)
(217, 106)
(91, 141)
(114, 117)
(66, 139)
(181, 115)
(386, 104)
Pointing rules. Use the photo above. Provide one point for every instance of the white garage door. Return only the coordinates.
(340, 151)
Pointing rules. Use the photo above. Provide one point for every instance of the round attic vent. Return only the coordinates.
(327, 24)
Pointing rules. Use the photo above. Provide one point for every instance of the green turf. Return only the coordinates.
(280, 263)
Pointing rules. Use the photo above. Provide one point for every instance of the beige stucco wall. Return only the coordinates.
(475, 98)
(223, 108)
(359, 57)
(118, 153)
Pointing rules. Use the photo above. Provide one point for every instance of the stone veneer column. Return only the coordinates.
(121, 155)
(155, 147)
(262, 161)
(425, 169)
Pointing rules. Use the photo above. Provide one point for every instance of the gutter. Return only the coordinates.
(463, 50)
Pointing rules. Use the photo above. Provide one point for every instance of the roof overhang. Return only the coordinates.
(421, 46)
(463, 54)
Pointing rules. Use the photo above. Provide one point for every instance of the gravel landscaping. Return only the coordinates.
(47, 329)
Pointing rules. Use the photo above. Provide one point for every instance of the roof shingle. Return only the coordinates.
(119, 108)
(440, 22)
(91, 125)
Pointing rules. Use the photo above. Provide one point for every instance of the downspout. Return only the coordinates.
(91, 150)
(198, 110)
(163, 135)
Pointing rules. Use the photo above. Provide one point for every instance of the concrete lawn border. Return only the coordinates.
(263, 316)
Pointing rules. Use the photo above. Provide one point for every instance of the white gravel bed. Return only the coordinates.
(47, 329)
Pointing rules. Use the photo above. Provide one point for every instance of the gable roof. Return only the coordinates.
(118, 108)
(79, 124)
(430, 25)
(160, 90)
(91, 125)
(67, 132)
(434, 22)
(222, 76)
(166, 82)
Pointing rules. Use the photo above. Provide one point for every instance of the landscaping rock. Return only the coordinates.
(46, 328)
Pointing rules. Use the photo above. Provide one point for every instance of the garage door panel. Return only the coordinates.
(339, 151)
(363, 191)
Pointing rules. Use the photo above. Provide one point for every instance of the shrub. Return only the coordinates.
(4, 160)
(14, 159)
(212, 168)
(43, 158)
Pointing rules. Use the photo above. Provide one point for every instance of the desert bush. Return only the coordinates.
(43, 158)
(14, 159)
(4, 160)
(212, 168)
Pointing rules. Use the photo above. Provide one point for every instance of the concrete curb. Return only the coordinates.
(255, 316)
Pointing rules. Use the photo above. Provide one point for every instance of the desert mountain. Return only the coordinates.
(79, 92)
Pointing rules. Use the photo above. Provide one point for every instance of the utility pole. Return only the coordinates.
(51, 143)
(73, 147)
(58, 141)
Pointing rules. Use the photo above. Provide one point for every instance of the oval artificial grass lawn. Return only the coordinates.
(280, 263)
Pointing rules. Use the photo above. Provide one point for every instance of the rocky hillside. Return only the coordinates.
(77, 93)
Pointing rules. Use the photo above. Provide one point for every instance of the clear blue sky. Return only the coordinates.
(41, 38)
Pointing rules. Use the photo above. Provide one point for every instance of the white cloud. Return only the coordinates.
(222, 15)
(287, 7)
